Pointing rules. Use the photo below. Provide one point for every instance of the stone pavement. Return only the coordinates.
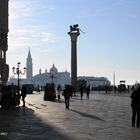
(102, 117)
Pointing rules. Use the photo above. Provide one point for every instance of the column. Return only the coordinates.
(74, 35)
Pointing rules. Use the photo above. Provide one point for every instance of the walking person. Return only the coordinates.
(87, 91)
(59, 89)
(135, 104)
(66, 93)
(81, 91)
(23, 94)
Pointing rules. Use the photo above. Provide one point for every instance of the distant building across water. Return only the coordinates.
(95, 81)
(53, 75)
(40, 79)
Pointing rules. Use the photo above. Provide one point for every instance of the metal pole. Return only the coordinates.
(18, 83)
(113, 82)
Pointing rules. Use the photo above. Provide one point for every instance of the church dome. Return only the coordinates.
(53, 69)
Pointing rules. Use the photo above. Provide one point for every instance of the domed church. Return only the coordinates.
(40, 79)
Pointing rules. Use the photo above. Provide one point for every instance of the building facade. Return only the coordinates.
(95, 81)
(4, 68)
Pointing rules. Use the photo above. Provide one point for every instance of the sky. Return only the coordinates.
(110, 44)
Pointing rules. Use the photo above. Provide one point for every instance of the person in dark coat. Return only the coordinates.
(23, 94)
(59, 89)
(66, 93)
(135, 104)
(81, 91)
(87, 91)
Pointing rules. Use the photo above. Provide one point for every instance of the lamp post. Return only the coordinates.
(18, 72)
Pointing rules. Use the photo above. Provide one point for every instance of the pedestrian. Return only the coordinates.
(0, 93)
(87, 91)
(81, 91)
(135, 104)
(74, 90)
(23, 94)
(71, 90)
(66, 93)
(59, 89)
(13, 94)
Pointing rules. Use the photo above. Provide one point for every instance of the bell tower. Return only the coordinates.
(29, 66)
(4, 68)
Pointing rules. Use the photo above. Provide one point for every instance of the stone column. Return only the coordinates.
(74, 35)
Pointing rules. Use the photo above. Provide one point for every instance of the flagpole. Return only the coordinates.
(113, 82)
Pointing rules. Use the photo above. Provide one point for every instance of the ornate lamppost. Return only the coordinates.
(18, 72)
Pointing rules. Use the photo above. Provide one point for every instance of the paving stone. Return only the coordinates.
(102, 117)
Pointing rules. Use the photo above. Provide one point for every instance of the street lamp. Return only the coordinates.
(18, 72)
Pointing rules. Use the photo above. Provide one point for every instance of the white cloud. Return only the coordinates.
(30, 37)
(47, 37)
(28, 34)
(25, 8)
(18, 9)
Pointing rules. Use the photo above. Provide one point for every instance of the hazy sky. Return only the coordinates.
(111, 41)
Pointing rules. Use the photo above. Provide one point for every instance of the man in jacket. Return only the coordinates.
(66, 93)
(135, 104)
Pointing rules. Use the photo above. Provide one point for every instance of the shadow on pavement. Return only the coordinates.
(23, 124)
(87, 115)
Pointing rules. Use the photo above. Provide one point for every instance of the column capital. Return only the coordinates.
(74, 35)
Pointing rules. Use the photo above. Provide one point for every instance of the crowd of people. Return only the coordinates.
(11, 95)
(51, 93)
(68, 91)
